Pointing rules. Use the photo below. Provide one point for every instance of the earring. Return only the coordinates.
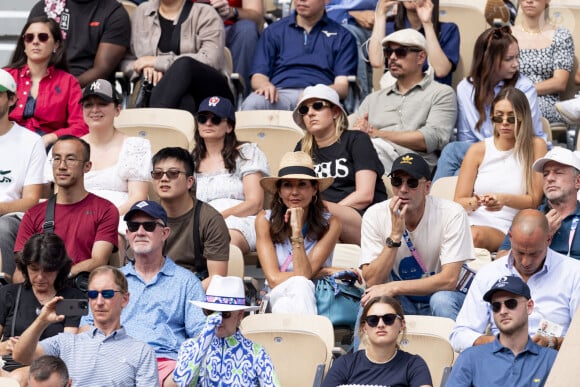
(315, 198)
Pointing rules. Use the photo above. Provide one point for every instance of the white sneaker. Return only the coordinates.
(569, 110)
(501, 12)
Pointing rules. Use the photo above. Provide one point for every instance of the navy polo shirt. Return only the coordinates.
(294, 59)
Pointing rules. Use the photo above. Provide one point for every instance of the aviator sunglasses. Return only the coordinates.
(389, 319)
(499, 119)
(397, 181)
(29, 37)
(317, 106)
(147, 226)
(225, 315)
(400, 52)
(511, 304)
(107, 293)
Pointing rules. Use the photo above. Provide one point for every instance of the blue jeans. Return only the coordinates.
(364, 69)
(287, 100)
(451, 158)
(242, 40)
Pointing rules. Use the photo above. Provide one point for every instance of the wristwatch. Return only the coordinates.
(391, 243)
(236, 14)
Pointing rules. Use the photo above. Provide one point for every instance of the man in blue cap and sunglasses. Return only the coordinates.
(513, 358)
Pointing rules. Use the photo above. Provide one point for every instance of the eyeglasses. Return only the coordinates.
(203, 118)
(147, 226)
(397, 181)
(42, 37)
(107, 293)
(172, 174)
(389, 319)
(68, 161)
(500, 119)
(317, 106)
(225, 315)
(511, 304)
(400, 52)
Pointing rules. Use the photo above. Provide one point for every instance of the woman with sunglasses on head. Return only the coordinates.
(496, 179)
(423, 16)
(381, 362)
(348, 156)
(296, 238)
(546, 54)
(227, 171)
(48, 96)
(495, 66)
(241, 362)
(45, 266)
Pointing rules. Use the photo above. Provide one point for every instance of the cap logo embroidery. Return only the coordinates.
(213, 101)
(96, 85)
(142, 204)
(407, 160)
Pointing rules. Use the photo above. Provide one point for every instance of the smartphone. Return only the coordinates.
(73, 307)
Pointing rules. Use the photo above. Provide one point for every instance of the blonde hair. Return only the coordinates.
(340, 125)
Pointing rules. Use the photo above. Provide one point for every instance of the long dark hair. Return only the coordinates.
(316, 223)
(58, 58)
(230, 151)
(49, 252)
(489, 50)
(401, 17)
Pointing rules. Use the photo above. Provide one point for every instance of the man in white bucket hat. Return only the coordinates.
(242, 362)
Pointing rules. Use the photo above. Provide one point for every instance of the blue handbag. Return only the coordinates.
(338, 298)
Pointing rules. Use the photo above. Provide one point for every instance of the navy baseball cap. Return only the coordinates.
(413, 164)
(219, 106)
(510, 284)
(149, 207)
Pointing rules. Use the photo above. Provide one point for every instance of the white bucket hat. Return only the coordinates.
(295, 165)
(317, 92)
(225, 294)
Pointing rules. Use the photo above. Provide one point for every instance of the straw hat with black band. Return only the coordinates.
(295, 165)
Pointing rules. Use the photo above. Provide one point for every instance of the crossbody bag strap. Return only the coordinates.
(197, 248)
(176, 35)
(15, 310)
(414, 251)
(48, 225)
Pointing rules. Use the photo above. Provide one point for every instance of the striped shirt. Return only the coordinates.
(96, 360)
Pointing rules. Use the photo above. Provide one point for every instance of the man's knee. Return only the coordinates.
(446, 303)
(243, 29)
(256, 102)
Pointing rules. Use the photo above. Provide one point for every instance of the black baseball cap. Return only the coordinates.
(413, 164)
(510, 284)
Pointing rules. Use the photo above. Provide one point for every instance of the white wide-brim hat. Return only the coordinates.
(225, 294)
(295, 165)
(319, 91)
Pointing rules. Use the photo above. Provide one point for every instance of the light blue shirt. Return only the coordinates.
(555, 290)
(467, 114)
(495, 365)
(96, 360)
(159, 312)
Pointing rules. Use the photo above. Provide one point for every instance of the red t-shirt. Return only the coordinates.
(80, 225)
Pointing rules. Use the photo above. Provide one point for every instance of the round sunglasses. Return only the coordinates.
(397, 181)
(389, 319)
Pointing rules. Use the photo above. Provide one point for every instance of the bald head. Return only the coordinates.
(526, 222)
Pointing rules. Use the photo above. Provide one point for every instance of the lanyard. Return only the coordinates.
(414, 251)
(572, 233)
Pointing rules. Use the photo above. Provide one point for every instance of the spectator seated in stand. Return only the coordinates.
(496, 179)
(347, 156)
(494, 67)
(48, 371)
(300, 50)
(178, 47)
(228, 172)
(296, 238)
(442, 39)
(96, 35)
(48, 96)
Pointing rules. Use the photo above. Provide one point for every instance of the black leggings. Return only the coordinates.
(187, 83)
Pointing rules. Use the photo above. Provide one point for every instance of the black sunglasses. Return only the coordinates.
(147, 226)
(225, 315)
(400, 52)
(511, 304)
(317, 105)
(171, 174)
(499, 119)
(203, 118)
(107, 293)
(29, 37)
(397, 181)
(389, 319)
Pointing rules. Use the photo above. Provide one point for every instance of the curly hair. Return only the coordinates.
(316, 224)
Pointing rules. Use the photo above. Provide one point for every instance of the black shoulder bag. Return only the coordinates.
(200, 268)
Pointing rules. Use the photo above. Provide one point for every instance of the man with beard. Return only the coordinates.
(513, 358)
(414, 114)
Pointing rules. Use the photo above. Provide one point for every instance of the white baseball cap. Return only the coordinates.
(7, 83)
(560, 155)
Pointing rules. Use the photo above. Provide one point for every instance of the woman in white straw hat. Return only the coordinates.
(296, 238)
(220, 354)
(347, 155)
